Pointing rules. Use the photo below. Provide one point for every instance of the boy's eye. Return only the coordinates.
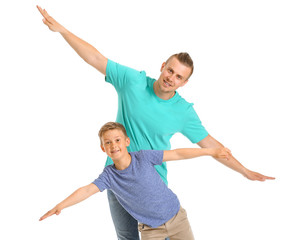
(107, 142)
(117, 140)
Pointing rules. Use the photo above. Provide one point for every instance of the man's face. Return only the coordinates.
(115, 144)
(173, 75)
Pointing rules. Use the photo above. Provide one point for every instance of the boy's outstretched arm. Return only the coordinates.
(186, 153)
(231, 162)
(76, 197)
(86, 51)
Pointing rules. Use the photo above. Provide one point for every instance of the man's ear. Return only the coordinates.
(103, 149)
(185, 82)
(162, 67)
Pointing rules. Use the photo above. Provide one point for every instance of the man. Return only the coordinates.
(150, 110)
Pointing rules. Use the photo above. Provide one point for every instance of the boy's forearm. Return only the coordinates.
(187, 153)
(77, 196)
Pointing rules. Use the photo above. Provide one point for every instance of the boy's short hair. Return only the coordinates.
(111, 126)
(183, 58)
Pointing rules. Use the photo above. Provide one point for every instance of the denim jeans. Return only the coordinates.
(125, 225)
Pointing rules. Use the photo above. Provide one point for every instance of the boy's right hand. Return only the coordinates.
(222, 153)
(56, 210)
(49, 21)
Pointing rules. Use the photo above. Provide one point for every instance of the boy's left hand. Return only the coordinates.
(254, 176)
(56, 210)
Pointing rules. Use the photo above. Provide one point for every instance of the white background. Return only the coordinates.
(247, 88)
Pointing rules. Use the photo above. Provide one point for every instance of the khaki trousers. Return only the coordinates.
(177, 228)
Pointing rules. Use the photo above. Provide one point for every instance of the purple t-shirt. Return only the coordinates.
(140, 190)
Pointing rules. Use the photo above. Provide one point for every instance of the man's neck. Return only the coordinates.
(161, 94)
(123, 162)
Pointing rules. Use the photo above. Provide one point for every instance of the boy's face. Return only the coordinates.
(115, 144)
(173, 75)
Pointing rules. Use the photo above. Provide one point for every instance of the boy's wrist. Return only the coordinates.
(59, 206)
(211, 151)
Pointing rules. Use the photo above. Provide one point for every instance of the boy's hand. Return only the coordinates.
(56, 210)
(49, 21)
(221, 153)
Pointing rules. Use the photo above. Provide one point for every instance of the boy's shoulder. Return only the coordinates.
(150, 155)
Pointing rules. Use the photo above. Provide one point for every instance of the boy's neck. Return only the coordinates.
(124, 162)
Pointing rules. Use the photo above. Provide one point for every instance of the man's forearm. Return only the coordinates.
(86, 51)
(231, 162)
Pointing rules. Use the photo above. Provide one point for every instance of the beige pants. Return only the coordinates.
(177, 228)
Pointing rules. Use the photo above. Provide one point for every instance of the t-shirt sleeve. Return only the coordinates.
(155, 157)
(121, 76)
(102, 182)
(193, 128)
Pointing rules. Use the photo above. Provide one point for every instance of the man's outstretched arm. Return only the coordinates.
(231, 162)
(86, 51)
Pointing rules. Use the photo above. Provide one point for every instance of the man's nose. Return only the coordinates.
(171, 78)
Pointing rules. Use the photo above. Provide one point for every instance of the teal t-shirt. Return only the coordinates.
(150, 121)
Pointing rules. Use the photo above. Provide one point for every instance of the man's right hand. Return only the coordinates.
(87, 52)
(50, 22)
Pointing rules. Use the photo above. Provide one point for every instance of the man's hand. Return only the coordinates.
(50, 22)
(254, 176)
(56, 210)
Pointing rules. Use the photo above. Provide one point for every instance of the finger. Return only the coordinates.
(48, 17)
(270, 178)
(40, 10)
(46, 13)
(46, 22)
(48, 214)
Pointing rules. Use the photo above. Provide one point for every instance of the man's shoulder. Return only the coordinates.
(183, 103)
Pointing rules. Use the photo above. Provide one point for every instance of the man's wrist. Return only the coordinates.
(63, 31)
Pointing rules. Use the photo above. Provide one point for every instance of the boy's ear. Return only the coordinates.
(103, 149)
(128, 141)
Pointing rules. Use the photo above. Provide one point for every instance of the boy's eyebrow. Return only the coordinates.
(113, 137)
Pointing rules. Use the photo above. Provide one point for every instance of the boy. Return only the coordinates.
(138, 187)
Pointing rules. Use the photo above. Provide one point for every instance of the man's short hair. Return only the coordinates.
(183, 58)
(111, 126)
